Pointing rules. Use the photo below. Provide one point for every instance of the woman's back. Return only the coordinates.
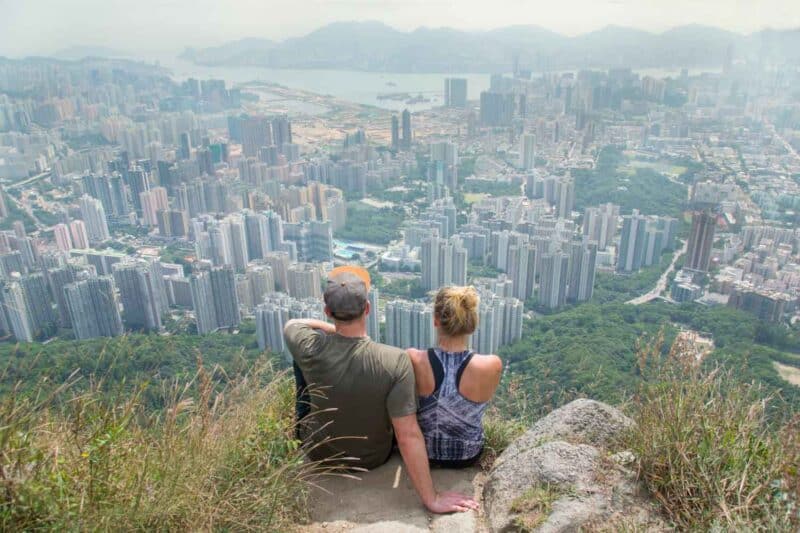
(454, 388)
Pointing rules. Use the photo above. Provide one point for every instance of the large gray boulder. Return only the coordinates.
(582, 421)
(561, 475)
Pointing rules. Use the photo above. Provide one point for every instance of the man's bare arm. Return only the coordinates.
(321, 325)
(412, 448)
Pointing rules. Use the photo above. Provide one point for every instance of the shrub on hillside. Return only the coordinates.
(210, 459)
(708, 450)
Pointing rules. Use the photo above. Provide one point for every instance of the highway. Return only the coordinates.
(661, 285)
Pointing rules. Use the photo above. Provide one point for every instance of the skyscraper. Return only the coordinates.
(255, 133)
(41, 315)
(600, 224)
(58, 278)
(93, 308)
(277, 309)
(553, 280)
(305, 280)
(632, 242)
(141, 292)
(527, 151)
(582, 270)
(522, 270)
(701, 239)
(409, 324)
(153, 201)
(279, 263)
(455, 92)
(395, 133)
(373, 320)
(62, 236)
(214, 299)
(79, 235)
(94, 216)
(444, 262)
(407, 133)
(15, 310)
(258, 237)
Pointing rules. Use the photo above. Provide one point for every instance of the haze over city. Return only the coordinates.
(41, 27)
(399, 266)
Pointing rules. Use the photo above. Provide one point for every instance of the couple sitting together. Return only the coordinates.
(358, 398)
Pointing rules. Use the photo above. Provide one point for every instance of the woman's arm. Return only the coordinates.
(423, 374)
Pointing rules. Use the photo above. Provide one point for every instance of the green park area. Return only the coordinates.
(642, 188)
(370, 224)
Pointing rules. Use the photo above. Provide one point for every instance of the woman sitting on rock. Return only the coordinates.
(454, 384)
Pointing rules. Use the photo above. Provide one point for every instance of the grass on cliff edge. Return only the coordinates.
(708, 450)
(81, 458)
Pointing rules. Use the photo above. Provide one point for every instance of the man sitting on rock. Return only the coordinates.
(364, 393)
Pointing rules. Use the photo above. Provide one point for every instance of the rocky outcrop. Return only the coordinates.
(563, 475)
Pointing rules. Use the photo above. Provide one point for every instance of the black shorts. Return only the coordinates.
(456, 463)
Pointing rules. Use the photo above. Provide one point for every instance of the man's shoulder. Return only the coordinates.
(390, 356)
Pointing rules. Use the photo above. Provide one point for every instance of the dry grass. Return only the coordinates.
(708, 451)
(208, 461)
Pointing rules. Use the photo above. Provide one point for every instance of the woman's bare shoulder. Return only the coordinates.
(487, 362)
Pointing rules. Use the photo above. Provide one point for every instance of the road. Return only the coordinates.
(28, 181)
(661, 285)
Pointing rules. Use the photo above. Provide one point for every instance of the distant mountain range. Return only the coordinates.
(373, 46)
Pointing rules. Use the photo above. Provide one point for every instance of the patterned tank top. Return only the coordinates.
(452, 424)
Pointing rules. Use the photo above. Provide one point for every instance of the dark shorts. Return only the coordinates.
(456, 463)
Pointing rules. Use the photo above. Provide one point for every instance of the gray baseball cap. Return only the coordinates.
(346, 294)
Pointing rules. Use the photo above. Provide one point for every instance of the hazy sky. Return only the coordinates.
(150, 26)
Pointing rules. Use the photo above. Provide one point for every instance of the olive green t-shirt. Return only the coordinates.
(356, 386)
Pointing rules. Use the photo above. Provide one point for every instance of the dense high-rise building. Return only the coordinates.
(79, 235)
(314, 240)
(58, 278)
(409, 325)
(701, 240)
(153, 201)
(15, 311)
(553, 280)
(94, 216)
(279, 262)
(407, 133)
(62, 236)
(373, 320)
(141, 291)
(444, 262)
(305, 280)
(273, 313)
(254, 133)
(522, 269)
(527, 151)
(499, 323)
(444, 164)
(395, 133)
(258, 237)
(582, 270)
(564, 198)
(260, 282)
(497, 109)
(173, 223)
(600, 224)
(455, 92)
(93, 308)
(138, 181)
(41, 316)
(632, 242)
(214, 299)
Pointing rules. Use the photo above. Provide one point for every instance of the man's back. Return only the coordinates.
(356, 386)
